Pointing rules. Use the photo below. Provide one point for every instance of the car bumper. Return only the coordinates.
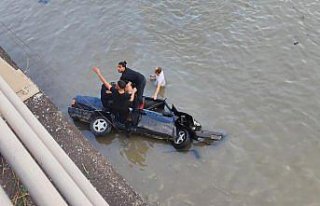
(205, 134)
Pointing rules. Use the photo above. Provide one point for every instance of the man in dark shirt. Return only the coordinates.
(135, 77)
(121, 99)
(106, 97)
(120, 105)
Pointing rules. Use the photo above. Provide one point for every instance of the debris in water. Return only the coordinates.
(295, 43)
(43, 1)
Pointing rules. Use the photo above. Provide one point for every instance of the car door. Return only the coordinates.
(156, 123)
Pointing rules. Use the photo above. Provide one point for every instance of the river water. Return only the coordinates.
(248, 67)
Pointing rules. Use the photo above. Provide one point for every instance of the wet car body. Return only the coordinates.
(157, 119)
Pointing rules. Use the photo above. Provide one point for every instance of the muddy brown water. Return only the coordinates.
(248, 67)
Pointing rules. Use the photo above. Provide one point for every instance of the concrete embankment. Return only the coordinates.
(94, 165)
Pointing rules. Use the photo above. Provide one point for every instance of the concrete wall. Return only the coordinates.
(94, 165)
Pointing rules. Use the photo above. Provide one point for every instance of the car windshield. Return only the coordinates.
(167, 109)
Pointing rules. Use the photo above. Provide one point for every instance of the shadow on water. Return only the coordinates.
(135, 151)
(133, 148)
(194, 152)
(106, 140)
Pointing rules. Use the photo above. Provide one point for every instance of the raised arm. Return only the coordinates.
(102, 79)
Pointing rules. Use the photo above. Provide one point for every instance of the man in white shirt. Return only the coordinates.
(160, 81)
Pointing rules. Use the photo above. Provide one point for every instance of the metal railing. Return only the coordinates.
(66, 177)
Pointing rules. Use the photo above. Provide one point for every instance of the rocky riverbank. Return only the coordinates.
(94, 165)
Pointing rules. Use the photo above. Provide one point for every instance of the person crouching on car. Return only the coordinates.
(135, 77)
(121, 99)
(130, 87)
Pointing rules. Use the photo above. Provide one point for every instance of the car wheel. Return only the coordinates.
(182, 139)
(100, 126)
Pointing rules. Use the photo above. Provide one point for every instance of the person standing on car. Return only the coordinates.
(160, 81)
(135, 77)
(121, 99)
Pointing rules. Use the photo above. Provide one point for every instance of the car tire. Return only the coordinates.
(182, 139)
(100, 126)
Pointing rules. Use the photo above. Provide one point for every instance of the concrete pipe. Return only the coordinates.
(52, 145)
(39, 186)
(65, 184)
(4, 199)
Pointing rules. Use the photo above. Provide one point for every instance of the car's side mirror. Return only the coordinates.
(167, 114)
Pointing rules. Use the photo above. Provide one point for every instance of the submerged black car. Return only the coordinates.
(157, 120)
